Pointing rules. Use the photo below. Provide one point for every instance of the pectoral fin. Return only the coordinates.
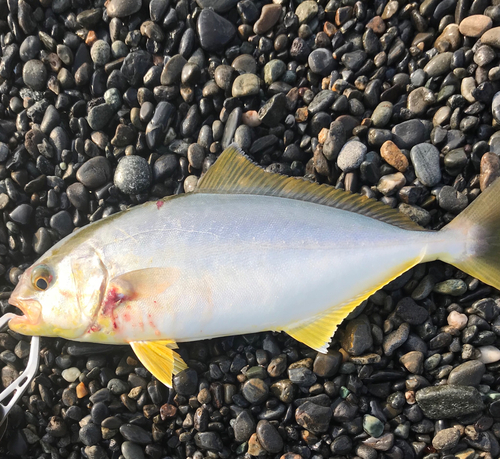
(144, 282)
(318, 331)
(159, 358)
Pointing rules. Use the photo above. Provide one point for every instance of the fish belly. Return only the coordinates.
(249, 263)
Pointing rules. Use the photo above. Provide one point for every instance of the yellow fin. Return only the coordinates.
(235, 173)
(144, 282)
(159, 358)
(318, 332)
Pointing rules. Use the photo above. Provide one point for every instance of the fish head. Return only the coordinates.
(60, 294)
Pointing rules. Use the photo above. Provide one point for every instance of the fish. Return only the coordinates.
(247, 251)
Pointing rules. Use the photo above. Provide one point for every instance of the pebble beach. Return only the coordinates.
(107, 105)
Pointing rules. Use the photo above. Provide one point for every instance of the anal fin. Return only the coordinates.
(318, 331)
(159, 358)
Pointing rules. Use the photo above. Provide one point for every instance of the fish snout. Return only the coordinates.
(29, 307)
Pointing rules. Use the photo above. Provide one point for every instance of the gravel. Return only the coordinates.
(106, 105)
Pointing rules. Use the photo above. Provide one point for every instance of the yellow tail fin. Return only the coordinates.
(481, 221)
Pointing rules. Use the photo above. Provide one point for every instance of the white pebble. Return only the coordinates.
(489, 354)
(457, 320)
(71, 374)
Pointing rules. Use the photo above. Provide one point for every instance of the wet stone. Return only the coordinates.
(135, 434)
(269, 437)
(313, 417)
(208, 440)
(449, 401)
(122, 8)
(244, 426)
(219, 6)
(214, 30)
(95, 172)
(321, 61)
(131, 450)
(357, 337)
(268, 18)
(185, 382)
(327, 365)
(255, 391)
(35, 74)
(372, 425)
(467, 374)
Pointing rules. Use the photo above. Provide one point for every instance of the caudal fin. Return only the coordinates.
(481, 222)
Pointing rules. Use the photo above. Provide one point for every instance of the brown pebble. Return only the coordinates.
(301, 114)
(81, 390)
(329, 29)
(475, 25)
(168, 411)
(449, 40)
(392, 155)
(377, 24)
(322, 136)
(489, 170)
(491, 37)
(251, 118)
(254, 446)
(268, 17)
(91, 38)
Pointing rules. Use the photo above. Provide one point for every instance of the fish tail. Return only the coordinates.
(478, 226)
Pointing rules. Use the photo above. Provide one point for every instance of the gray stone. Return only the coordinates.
(351, 156)
(425, 160)
(449, 401)
(467, 374)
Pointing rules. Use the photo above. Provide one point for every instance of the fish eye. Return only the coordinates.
(41, 277)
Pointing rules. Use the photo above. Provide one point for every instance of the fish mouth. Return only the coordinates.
(30, 308)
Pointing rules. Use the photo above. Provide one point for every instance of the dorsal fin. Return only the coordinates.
(235, 173)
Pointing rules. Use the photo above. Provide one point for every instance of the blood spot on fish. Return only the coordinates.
(159, 204)
(112, 300)
(152, 325)
(94, 328)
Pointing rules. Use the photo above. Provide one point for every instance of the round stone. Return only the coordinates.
(255, 391)
(475, 25)
(100, 52)
(35, 74)
(273, 70)
(351, 156)
(94, 173)
(247, 84)
(71, 374)
(132, 175)
(321, 61)
(491, 37)
(373, 426)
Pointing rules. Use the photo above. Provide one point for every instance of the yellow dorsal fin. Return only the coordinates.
(159, 358)
(235, 173)
(318, 331)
